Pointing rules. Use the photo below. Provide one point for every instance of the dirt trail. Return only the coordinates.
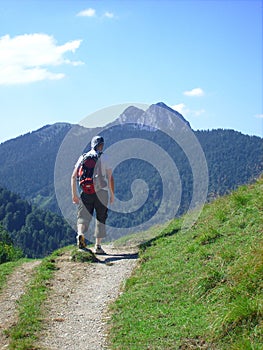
(76, 311)
(9, 296)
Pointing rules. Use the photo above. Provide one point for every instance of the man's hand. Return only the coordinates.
(111, 198)
(75, 199)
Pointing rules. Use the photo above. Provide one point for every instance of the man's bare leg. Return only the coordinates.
(81, 237)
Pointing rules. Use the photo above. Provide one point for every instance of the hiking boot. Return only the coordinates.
(81, 242)
(99, 250)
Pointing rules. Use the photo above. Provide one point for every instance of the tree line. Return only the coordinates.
(34, 231)
(8, 252)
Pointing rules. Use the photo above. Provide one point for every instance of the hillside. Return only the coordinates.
(201, 289)
(233, 159)
(33, 157)
(35, 231)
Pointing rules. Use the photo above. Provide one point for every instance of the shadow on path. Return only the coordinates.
(109, 258)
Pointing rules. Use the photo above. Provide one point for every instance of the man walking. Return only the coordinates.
(96, 184)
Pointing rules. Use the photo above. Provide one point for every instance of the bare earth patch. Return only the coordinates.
(9, 296)
(76, 310)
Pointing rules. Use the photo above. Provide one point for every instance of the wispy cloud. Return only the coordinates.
(198, 112)
(259, 116)
(87, 13)
(187, 112)
(181, 108)
(90, 12)
(108, 15)
(26, 58)
(195, 92)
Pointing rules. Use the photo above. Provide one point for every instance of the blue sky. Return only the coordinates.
(61, 60)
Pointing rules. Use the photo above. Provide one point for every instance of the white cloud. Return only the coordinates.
(108, 15)
(194, 92)
(87, 13)
(92, 13)
(186, 112)
(259, 116)
(199, 112)
(25, 58)
(181, 108)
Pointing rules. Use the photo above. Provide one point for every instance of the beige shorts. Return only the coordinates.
(90, 203)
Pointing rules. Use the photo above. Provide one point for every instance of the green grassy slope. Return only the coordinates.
(201, 289)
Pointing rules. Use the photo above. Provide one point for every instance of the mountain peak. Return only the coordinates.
(170, 113)
(131, 115)
(164, 117)
(163, 105)
(157, 116)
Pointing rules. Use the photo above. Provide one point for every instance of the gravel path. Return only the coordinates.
(9, 296)
(76, 311)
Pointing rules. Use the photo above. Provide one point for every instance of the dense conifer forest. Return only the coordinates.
(35, 231)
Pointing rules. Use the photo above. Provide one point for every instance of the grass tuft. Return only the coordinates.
(83, 255)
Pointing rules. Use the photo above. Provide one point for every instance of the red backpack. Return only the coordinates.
(89, 174)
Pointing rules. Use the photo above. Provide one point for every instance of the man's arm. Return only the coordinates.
(75, 197)
(111, 184)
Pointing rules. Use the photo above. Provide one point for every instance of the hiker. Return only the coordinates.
(96, 184)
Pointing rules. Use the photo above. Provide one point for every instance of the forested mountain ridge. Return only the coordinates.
(27, 162)
(233, 158)
(35, 231)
